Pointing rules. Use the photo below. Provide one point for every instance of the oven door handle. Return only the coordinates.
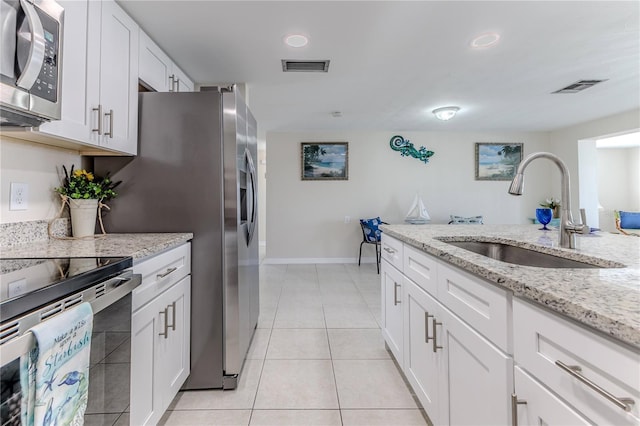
(122, 286)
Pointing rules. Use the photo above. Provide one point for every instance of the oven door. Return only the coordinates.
(109, 372)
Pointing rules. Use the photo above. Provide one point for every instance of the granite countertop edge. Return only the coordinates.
(137, 245)
(619, 322)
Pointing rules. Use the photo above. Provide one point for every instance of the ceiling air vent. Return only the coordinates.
(579, 86)
(305, 66)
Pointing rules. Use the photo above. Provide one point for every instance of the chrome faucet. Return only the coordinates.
(568, 229)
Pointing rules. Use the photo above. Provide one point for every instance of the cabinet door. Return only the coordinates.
(421, 363)
(174, 349)
(476, 378)
(154, 65)
(75, 120)
(181, 81)
(391, 291)
(540, 406)
(146, 324)
(119, 79)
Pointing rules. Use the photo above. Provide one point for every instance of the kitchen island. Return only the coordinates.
(483, 341)
(605, 299)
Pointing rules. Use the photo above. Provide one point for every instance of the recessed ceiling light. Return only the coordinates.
(445, 113)
(485, 40)
(336, 114)
(296, 40)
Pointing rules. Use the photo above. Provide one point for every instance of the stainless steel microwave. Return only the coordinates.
(31, 60)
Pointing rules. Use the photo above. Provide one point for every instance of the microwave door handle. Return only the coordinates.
(36, 48)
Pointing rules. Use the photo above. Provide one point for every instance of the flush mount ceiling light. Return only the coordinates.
(445, 113)
(296, 40)
(485, 40)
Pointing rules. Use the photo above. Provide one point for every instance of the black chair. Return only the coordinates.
(371, 235)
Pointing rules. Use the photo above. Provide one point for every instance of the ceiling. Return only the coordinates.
(393, 62)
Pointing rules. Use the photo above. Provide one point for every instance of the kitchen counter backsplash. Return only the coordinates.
(606, 299)
(18, 233)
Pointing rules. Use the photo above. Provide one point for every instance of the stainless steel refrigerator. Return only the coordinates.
(195, 173)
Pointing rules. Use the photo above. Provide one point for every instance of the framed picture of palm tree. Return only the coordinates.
(497, 160)
(325, 160)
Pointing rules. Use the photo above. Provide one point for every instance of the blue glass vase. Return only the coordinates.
(544, 216)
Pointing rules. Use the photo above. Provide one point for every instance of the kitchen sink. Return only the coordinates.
(522, 256)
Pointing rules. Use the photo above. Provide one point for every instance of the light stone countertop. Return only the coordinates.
(607, 299)
(138, 246)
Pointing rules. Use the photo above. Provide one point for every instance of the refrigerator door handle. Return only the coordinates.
(251, 214)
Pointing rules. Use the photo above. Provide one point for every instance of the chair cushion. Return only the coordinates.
(629, 220)
(459, 220)
(370, 227)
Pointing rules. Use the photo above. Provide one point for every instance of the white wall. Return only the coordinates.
(38, 166)
(305, 219)
(565, 144)
(618, 180)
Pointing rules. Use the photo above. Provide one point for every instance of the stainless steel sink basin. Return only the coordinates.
(521, 256)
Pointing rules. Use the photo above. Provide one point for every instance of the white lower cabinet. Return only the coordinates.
(534, 405)
(423, 362)
(476, 377)
(392, 320)
(160, 334)
(597, 377)
(458, 375)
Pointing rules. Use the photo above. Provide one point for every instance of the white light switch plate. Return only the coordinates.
(19, 196)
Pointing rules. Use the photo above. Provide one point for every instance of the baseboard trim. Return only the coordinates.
(317, 260)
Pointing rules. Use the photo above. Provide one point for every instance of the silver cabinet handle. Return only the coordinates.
(426, 326)
(173, 316)
(166, 324)
(514, 408)
(177, 85)
(574, 370)
(395, 294)
(35, 57)
(110, 114)
(167, 272)
(435, 323)
(172, 80)
(99, 129)
(389, 250)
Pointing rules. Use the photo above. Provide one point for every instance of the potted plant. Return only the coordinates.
(84, 192)
(553, 204)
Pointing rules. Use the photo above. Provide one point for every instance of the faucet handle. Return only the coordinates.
(583, 228)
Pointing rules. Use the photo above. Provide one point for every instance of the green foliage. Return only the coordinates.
(80, 184)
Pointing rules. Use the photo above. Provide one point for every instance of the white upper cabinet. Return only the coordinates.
(116, 110)
(99, 81)
(155, 65)
(158, 72)
(182, 83)
(75, 123)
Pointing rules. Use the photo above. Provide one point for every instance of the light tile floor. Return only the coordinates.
(317, 357)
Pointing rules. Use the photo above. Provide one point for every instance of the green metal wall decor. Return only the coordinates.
(406, 148)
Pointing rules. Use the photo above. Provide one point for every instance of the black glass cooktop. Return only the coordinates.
(27, 284)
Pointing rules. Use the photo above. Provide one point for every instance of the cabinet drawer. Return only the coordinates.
(421, 268)
(541, 407)
(392, 251)
(542, 339)
(482, 305)
(161, 272)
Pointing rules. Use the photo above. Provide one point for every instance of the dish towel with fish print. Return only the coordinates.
(56, 372)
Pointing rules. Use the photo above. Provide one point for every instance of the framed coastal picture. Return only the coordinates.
(497, 161)
(325, 160)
